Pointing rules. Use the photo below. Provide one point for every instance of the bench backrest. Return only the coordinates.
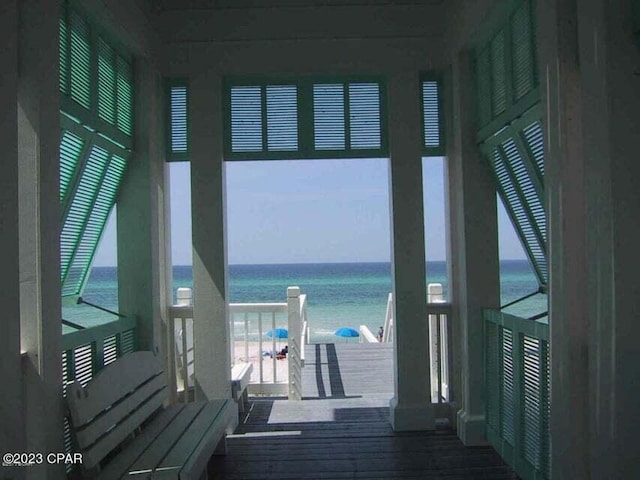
(112, 405)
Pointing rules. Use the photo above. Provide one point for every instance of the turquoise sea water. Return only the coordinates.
(338, 294)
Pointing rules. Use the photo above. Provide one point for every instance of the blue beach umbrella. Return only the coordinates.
(347, 332)
(278, 333)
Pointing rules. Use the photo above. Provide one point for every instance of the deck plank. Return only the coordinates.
(341, 429)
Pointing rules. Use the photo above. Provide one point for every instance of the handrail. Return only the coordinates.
(257, 307)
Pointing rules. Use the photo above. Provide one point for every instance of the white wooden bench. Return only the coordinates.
(240, 377)
(122, 429)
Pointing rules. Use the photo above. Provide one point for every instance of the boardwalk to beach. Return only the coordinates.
(341, 429)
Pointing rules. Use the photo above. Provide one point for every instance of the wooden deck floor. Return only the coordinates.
(341, 430)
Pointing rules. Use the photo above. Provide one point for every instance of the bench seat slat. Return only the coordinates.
(111, 384)
(97, 452)
(156, 452)
(96, 428)
(206, 431)
(120, 465)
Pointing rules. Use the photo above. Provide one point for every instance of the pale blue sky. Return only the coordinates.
(310, 211)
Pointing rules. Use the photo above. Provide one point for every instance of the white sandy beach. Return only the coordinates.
(252, 352)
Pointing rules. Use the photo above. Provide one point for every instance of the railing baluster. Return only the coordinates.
(439, 356)
(232, 335)
(246, 337)
(185, 361)
(273, 350)
(260, 346)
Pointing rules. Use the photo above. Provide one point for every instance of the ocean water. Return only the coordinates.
(338, 294)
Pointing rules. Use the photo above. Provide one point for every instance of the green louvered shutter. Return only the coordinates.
(365, 123)
(508, 391)
(178, 137)
(498, 75)
(71, 149)
(329, 117)
(246, 119)
(80, 61)
(282, 118)
(124, 89)
(531, 430)
(523, 51)
(516, 205)
(533, 139)
(87, 216)
(432, 124)
(304, 119)
(510, 133)
(96, 83)
(62, 52)
(106, 82)
(483, 87)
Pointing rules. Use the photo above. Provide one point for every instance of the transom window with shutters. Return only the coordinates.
(305, 118)
(96, 140)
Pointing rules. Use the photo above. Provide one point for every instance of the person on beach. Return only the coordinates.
(283, 353)
(380, 334)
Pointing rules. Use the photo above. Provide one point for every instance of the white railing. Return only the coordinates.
(180, 352)
(440, 338)
(366, 336)
(440, 350)
(249, 324)
(387, 333)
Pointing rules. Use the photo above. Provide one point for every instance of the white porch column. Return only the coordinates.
(594, 200)
(12, 433)
(566, 211)
(411, 407)
(212, 356)
(474, 236)
(38, 129)
(144, 275)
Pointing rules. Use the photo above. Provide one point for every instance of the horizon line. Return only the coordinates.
(319, 263)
